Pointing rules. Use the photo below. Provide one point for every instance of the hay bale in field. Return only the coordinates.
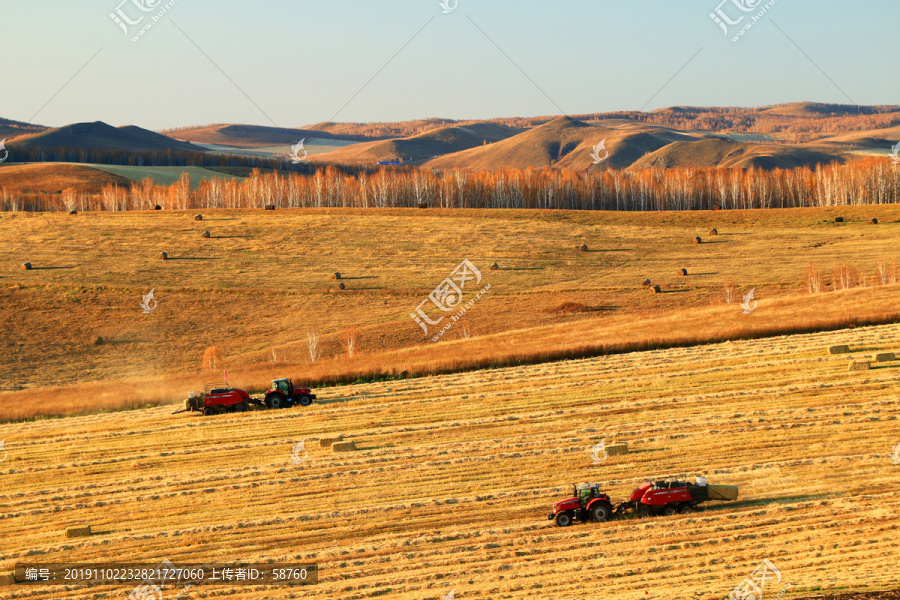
(26, 266)
(157, 207)
(335, 275)
(163, 255)
(697, 240)
(844, 349)
(713, 232)
(73, 212)
(7, 579)
(205, 234)
(722, 492)
(645, 283)
(682, 272)
(583, 247)
(655, 289)
(423, 205)
(344, 446)
(616, 449)
(97, 341)
(341, 286)
(327, 442)
(859, 365)
(198, 217)
(73, 532)
(495, 267)
(270, 207)
(873, 221)
(839, 219)
(884, 357)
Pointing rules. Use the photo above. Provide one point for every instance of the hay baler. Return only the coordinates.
(218, 400)
(660, 498)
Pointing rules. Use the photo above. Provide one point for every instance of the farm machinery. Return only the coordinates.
(217, 399)
(670, 497)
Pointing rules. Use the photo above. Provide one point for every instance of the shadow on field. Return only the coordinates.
(361, 277)
(228, 237)
(190, 258)
(699, 274)
(714, 242)
(524, 269)
(49, 268)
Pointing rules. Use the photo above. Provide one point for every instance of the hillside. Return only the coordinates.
(563, 143)
(437, 142)
(718, 152)
(100, 135)
(448, 491)
(252, 136)
(10, 129)
(56, 177)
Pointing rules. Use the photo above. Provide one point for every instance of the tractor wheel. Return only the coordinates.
(601, 512)
(209, 410)
(275, 401)
(686, 509)
(305, 400)
(563, 519)
(670, 509)
(240, 407)
(644, 512)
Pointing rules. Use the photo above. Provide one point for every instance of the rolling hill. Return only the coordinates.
(100, 135)
(11, 129)
(424, 146)
(717, 152)
(252, 136)
(55, 177)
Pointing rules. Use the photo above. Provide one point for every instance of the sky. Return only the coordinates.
(291, 63)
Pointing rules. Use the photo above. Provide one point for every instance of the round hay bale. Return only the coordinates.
(341, 286)
(205, 234)
(839, 219)
(583, 247)
(713, 232)
(26, 266)
(157, 207)
(198, 217)
(682, 272)
(495, 267)
(163, 255)
(97, 341)
(73, 212)
(873, 221)
(655, 289)
(645, 283)
(335, 275)
(270, 207)
(697, 240)
(423, 205)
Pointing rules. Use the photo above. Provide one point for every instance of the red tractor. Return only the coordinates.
(660, 498)
(283, 394)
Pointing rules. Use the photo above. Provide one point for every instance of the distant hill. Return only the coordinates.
(53, 178)
(437, 142)
(252, 136)
(565, 143)
(100, 135)
(11, 129)
(718, 152)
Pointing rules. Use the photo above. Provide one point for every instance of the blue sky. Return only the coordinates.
(298, 62)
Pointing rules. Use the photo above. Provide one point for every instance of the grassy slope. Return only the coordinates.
(454, 476)
(162, 175)
(262, 281)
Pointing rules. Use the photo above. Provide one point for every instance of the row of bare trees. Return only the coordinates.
(846, 277)
(865, 181)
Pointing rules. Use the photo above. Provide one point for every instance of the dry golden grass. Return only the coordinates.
(263, 280)
(454, 475)
(54, 177)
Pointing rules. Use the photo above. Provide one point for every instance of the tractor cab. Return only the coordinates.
(285, 386)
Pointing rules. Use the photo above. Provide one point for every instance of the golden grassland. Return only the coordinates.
(263, 280)
(455, 474)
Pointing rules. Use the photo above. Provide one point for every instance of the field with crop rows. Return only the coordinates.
(454, 476)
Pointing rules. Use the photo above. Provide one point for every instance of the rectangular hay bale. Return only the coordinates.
(723, 492)
(844, 349)
(344, 447)
(326, 442)
(617, 449)
(859, 365)
(72, 532)
(885, 357)
(7, 579)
